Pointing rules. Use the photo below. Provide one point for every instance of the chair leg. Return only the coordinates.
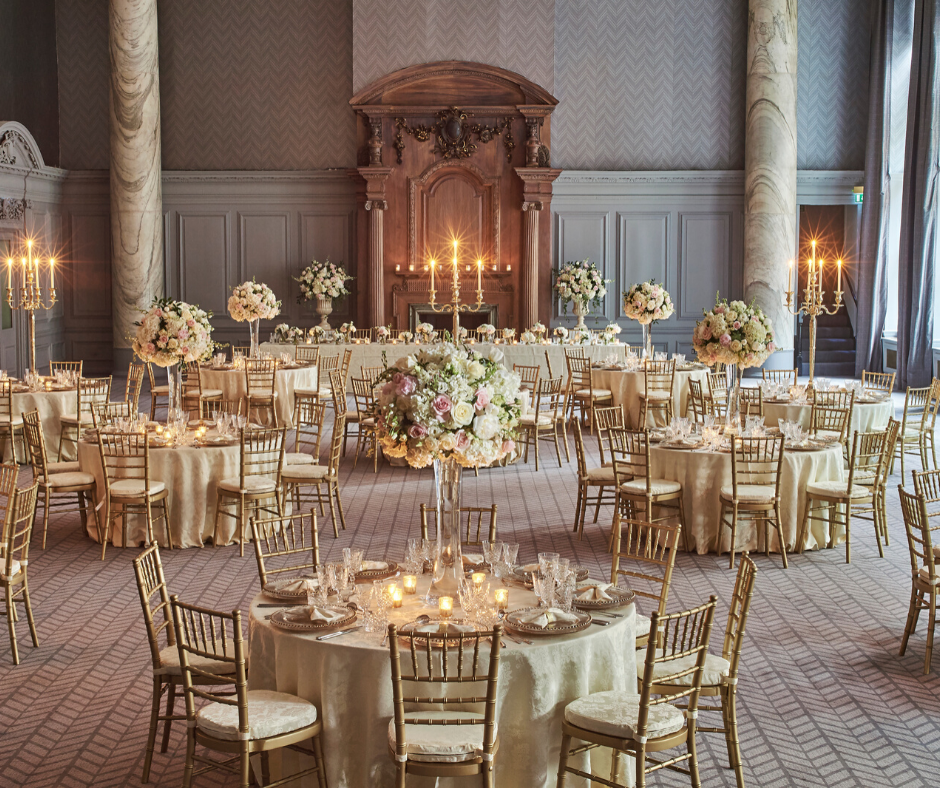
(265, 768)
(152, 735)
(245, 767)
(913, 613)
(734, 530)
(578, 521)
(931, 622)
(848, 526)
(332, 511)
(45, 514)
(563, 760)
(778, 521)
(729, 702)
(686, 536)
(693, 761)
(11, 622)
(802, 531)
(339, 505)
(318, 757)
(170, 709)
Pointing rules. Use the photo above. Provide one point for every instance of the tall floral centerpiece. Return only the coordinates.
(449, 407)
(322, 282)
(253, 302)
(738, 335)
(647, 302)
(171, 332)
(581, 283)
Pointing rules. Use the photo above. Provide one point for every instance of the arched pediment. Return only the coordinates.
(18, 148)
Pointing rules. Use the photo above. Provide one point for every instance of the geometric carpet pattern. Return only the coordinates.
(824, 698)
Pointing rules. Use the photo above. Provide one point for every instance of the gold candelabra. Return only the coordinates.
(30, 295)
(813, 300)
(455, 306)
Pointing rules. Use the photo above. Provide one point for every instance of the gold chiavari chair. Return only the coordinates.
(754, 492)
(600, 478)
(164, 653)
(157, 393)
(630, 453)
(650, 549)
(9, 473)
(59, 481)
(277, 538)
(103, 414)
(697, 403)
(258, 484)
(925, 580)
(252, 722)
(927, 484)
(194, 394)
(15, 559)
(308, 432)
(307, 354)
(720, 674)
(135, 382)
(65, 366)
(878, 381)
(918, 423)
(337, 393)
(479, 523)
(299, 479)
(717, 386)
(719, 368)
(371, 373)
(129, 490)
(879, 484)
(839, 502)
(780, 375)
(360, 334)
(11, 424)
(831, 414)
(260, 391)
(326, 365)
(548, 364)
(457, 739)
(657, 390)
(584, 394)
(542, 420)
(91, 392)
(367, 437)
(241, 350)
(528, 376)
(611, 417)
(344, 367)
(226, 406)
(636, 722)
(751, 401)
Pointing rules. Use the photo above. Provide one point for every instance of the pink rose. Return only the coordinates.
(736, 324)
(719, 310)
(441, 406)
(483, 398)
(418, 431)
(508, 445)
(706, 332)
(725, 339)
(771, 347)
(463, 441)
(407, 386)
(190, 323)
(151, 348)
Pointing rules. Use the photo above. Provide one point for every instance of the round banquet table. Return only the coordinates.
(233, 385)
(52, 405)
(349, 680)
(191, 475)
(625, 387)
(702, 474)
(866, 416)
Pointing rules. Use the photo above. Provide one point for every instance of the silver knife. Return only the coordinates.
(338, 633)
(600, 623)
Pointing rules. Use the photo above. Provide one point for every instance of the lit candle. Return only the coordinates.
(432, 276)
(445, 607)
(396, 596)
(9, 273)
(509, 268)
(790, 278)
(479, 276)
(52, 273)
(839, 287)
(502, 598)
(411, 268)
(398, 268)
(410, 582)
(478, 579)
(24, 274)
(820, 276)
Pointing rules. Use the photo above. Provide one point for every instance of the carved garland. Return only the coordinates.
(453, 136)
(8, 151)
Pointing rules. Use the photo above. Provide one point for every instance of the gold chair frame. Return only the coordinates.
(90, 392)
(18, 530)
(658, 376)
(157, 392)
(781, 375)
(295, 481)
(582, 393)
(473, 522)
(532, 432)
(10, 423)
(921, 405)
(276, 537)
(878, 381)
(367, 435)
(925, 580)
(602, 478)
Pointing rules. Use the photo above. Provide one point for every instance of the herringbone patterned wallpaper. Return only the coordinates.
(514, 35)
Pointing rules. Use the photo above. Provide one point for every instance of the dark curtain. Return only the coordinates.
(919, 204)
(873, 252)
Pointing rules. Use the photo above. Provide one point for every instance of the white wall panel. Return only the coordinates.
(581, 235)
(704, 261)
(204, 270)
(642, 252)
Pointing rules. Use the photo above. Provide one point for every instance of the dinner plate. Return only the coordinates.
(377, 574)
(274, 589)
(437, 631)
(811, 445)
(283, 619)
(619, 598)
(555, 628)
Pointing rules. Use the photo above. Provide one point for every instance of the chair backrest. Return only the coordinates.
(579, 372)
(308, 354)
(866, 458)
(659, 375)
(65, 366)
(241, 350)
(887, 452)
(6, 400)
(204, 635)
(548, 397)
(757, 461)
(336, 443)
(338, 391)
(719, 367)
(718, 385)
(192, 380)
(697, 401)
(279, 537)
(124, 455)
(308, 426)
(683, 643)
(751, 401)
(926, 484)
(878, 381)
(8, 476)
(154, 600)
(344, 367)
(478, 523)
(135, 382)
(104, 413)
(651, 546)
(456, 676)
(371, 373)
(260, 376)
(361, 333)
(364, 398)
(832, 412)
(548, 363)
(18, 529)
(528, 376)
(91, 392)
(738, 613)
(262, 454)
(780, 375)
(915, 405)
(579, 450)
(919, 540)
(606, 419)
(928, 420)
(35, 444)
(211, 406)
(327, 364)
(630, 454)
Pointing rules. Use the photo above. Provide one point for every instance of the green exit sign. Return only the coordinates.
(858, 194)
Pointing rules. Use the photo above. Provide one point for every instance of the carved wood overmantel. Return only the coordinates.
(454, 150)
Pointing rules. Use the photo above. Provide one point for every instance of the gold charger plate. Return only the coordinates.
(812, 445)
(271, 589)
(280, 619)
(423, 632)
(377, 574)
(555, 628)
(620, 598)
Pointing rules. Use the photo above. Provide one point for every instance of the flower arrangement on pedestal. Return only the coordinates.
(647, 302)
(734, 333)
(285, 333)
(581, 283)
(253, 301)
(324, 280)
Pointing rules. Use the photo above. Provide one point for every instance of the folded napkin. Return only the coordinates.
(527, 568)
(315, 615)
(596, 592)
(473, 559)
(543, 617)
(438, 627)
(296, 584)
(369, 566)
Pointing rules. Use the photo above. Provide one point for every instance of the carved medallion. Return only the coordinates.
(454, 136)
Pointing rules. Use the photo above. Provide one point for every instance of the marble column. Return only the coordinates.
(376, 210)
(136, 192)
(770, 163)
(530, 265)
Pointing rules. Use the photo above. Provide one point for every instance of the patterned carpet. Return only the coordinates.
(824, 698)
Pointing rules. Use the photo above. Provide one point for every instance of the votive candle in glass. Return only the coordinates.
(396, 596)
(478, 579)
(445, 607)
(502, 598)
(410, 583)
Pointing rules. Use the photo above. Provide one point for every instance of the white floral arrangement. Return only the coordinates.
(462, 334)
(580, 336)
(509, 333)
(253, 301)
(528, 338)
(612, 329)
(488, 330)
(424, 331)
(318, 333)
(285, 334)
(580, 281)
(734, 333)
(610, 334)
(324, 279)
(173, 331)
(344, 332)
(382, 334)
(647, 302)
(538, 329)
(561, 333)
(451, 402)
(407, 336)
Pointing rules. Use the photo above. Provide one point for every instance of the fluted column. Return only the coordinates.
(136, 193)
(770, 161)
(530, 265)
(376, 211)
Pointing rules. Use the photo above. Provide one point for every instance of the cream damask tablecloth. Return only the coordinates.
(234, 386)
(702, 475)
(191, 475)
(349, 680)
(52, 405)
(625, 387)
(866, 416)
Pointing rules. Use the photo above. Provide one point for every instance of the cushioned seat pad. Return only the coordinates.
(253, 484)
(657, 487)
(305, 473)
(135, 487)
(74, 479)
(269, 714)
(749, 493)
(170, 663)
(837, 488)
(298, 458)
(615, 713)
(716, 668)
(440, 743)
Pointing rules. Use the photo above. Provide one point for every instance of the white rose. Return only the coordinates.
(476, 370)
(462, 414)
(496, 355)
(449, 442)
(486, 426)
